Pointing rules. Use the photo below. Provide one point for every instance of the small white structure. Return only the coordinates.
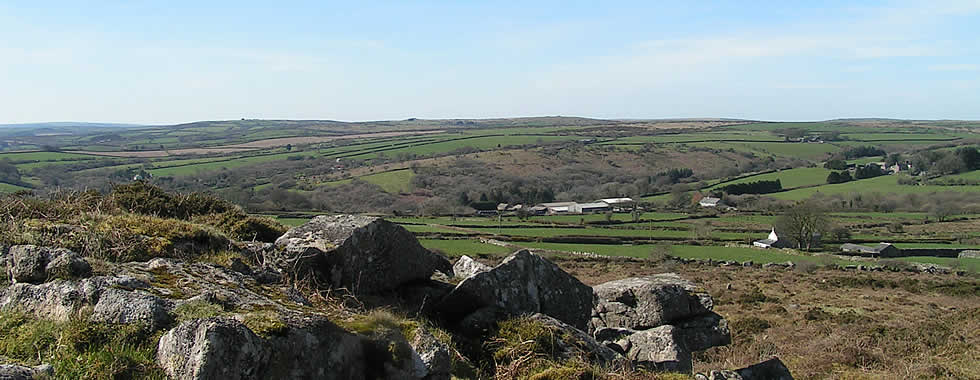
(772, 241)
(618, 204)
(709, 202)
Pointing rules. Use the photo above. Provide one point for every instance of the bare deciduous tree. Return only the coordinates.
(804, 223)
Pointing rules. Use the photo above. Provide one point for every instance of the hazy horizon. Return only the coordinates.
(183, 62)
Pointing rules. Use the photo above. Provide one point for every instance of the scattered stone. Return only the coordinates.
(523, 283)
(361, 253)
(466, 267)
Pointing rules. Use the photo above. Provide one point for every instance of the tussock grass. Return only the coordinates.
(79, 349)
(133, 222)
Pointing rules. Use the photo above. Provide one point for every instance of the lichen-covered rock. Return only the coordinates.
(772, 369)
(433, 357)
(68, 265)
(657, 321)
(361, 253)
(56, 300)
(646, 302)
(125, 307)
(467, 267)
(212, 348)
(27, 263)
(17, 372)
(33, 264)
(224, 348)
(657, 349)
(575, 343)
(524, 283)
(59, 300)
(704, 331)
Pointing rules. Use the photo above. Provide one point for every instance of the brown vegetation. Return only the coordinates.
(830, 324)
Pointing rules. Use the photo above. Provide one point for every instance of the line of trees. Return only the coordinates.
(757, 187)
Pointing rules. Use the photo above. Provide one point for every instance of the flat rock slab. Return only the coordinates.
(645, 302)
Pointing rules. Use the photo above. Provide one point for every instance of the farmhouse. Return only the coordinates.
(773, 241)
(585, 208)
(709, 202)
(880, 250)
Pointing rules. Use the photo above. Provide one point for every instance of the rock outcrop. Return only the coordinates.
(59, 300)
(646, 302)
(224, 348)
(34, 265)
(361, 253)
(657, 321)
(524, 283)
(575, 343)
(433, 357)
(772, 369)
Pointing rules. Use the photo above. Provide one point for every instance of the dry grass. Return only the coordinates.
(832, 324)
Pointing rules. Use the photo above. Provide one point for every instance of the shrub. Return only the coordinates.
(131, 237)
(750, 325)
(241, 226)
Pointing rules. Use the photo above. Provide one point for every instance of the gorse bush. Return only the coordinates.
(143, 198)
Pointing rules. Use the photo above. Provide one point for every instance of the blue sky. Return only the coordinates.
(169, 62)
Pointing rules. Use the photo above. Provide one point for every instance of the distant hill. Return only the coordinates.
(68, 124)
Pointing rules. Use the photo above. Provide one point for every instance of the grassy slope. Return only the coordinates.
(884, 184)
(790, 178)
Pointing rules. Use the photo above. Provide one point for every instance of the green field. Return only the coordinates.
(487, 142)
(972, 265)
(790, 178)
(464, 247)
(607, 232)
(8, 188)
(396, 181)
(884, 184)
